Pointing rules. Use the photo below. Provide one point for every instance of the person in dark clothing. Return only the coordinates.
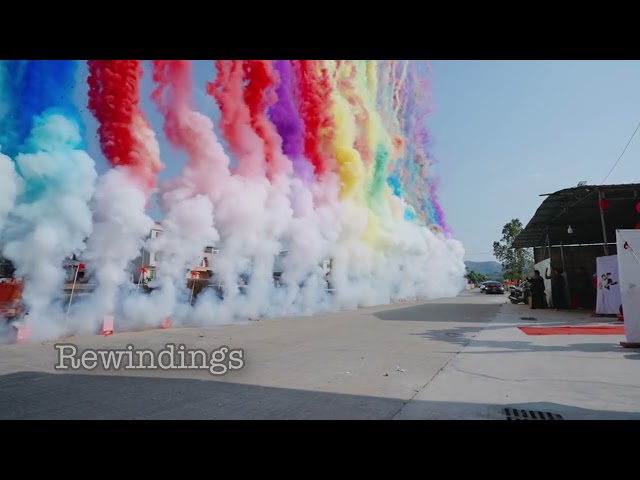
(558, 288)
(536, 285)
(584, 288)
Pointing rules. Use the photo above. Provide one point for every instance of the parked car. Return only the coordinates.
(493, 287)
(483, 285)
(521, 293)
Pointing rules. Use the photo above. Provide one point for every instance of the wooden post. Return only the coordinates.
(194, 276)
(604, 225)
(73, 287)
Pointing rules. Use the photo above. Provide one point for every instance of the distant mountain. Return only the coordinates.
(485, 268)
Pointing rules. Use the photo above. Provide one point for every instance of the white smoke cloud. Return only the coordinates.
(51, 217)
(310, 237)
(9, 184)
(251, 216)
(187, 230)
(120, 227)
(188, 224)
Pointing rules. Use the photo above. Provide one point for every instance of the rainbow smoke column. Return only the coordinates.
(327, 161)
(43, 133)
(411, 177)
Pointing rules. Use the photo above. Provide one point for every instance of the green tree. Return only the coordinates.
(476, 277)
(516, 262)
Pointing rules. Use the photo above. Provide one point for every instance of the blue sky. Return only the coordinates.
(503, 133)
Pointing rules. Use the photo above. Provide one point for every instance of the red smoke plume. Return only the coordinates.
(259, 95)
(226, 88)
(315, 95)
(114, 98)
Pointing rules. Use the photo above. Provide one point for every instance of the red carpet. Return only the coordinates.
(594, 330)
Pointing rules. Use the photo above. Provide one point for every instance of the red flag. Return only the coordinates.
(81, 266)
(143, 270)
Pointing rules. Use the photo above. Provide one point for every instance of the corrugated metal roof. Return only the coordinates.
(579, 207)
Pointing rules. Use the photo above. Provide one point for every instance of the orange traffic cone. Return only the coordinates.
(166, 323)
(107, 326)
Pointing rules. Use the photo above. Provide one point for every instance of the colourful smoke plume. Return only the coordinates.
(51, 184)
(259, 94)
(326, 198)
(235, 123)
(114, 100)
(315, 109)
(285, 115)
(122, 195)
(186, 201)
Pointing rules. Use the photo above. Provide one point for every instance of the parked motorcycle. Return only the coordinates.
(521, 293)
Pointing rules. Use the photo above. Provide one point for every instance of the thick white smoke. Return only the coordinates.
(413, 261)
(9, 185)
(188, 224)
(121, 225)
(51, 218)
(309, 237)
(251, 217)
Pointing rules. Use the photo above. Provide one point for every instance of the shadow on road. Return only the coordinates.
(455, 335)
(35, 395)
(464, 335)
(441, 312)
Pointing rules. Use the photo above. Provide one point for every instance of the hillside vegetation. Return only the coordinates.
(488, 270)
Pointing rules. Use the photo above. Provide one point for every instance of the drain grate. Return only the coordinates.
(514, 414)
(528, 318)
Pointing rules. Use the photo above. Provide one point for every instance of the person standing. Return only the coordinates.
(558, 288)
(584, 288)
(536, 285)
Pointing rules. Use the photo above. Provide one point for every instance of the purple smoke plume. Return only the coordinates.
(287, 120)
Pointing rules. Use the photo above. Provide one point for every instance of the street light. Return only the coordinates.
(569, 230)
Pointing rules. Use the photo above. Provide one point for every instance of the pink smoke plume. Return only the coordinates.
(185, 127)
(235, 118)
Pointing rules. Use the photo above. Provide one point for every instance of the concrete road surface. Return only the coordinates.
(429, 360)
(362, 364)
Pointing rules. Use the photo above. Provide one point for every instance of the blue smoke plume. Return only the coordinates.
(30, 89)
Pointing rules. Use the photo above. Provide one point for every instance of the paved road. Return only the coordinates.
(576, 377)
(362, 364)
